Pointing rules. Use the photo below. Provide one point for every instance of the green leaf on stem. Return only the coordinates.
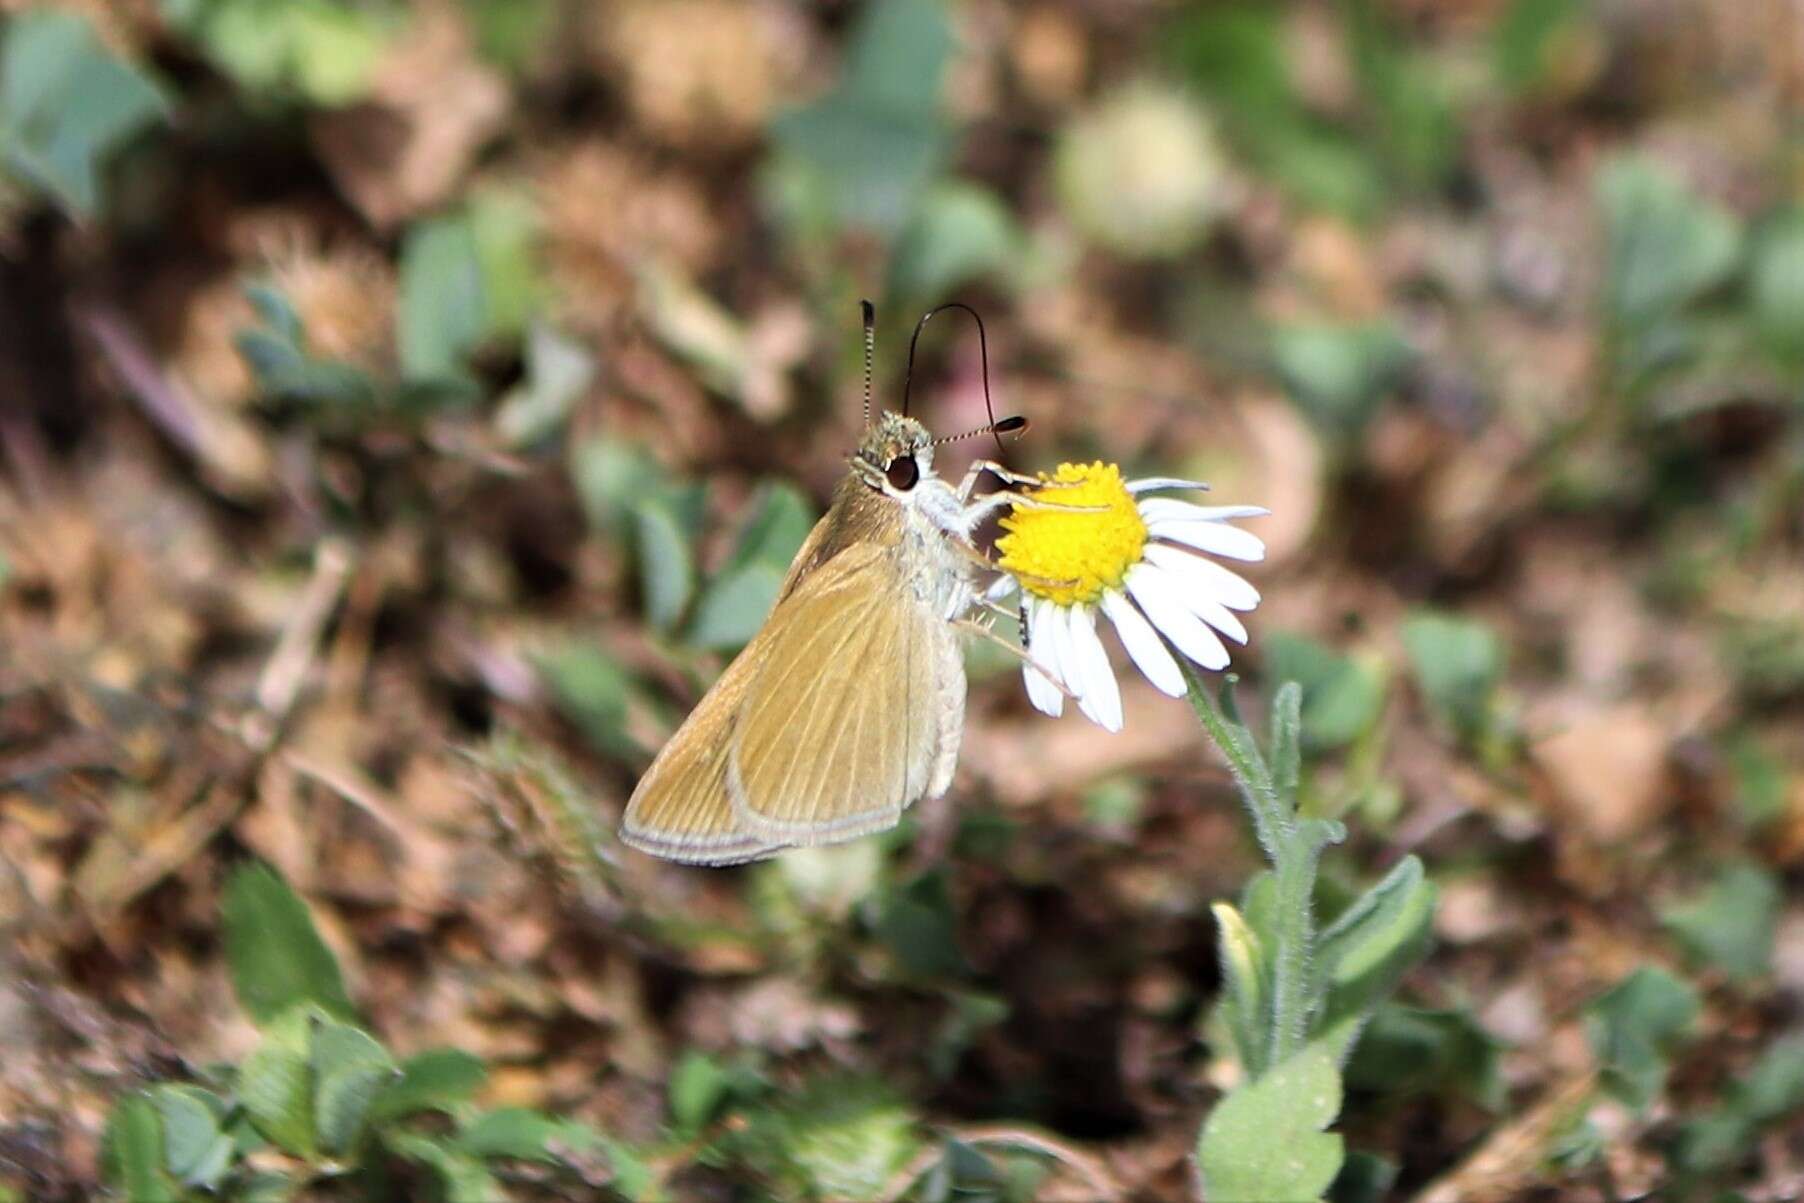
(1265, 1140)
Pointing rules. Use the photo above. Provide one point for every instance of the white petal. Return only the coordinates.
(1153, 484)
(1061, 657)
(1044, 695)
(1217, 616)
(1155, 509)
(1101, 696)
(1143, 644)
(1161, 596)
(1216, 537)
(1206, 577)
(1001, 588)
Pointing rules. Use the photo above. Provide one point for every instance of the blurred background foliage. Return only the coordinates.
(407, 405)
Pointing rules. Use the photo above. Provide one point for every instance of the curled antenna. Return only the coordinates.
(870, 352)
(983, 347)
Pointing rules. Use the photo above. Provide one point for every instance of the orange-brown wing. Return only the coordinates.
(841, 728)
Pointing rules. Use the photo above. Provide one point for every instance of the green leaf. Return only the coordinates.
(466, 279)
(1776, 285)
(610, 476)
(1411, 1050)
(1286, 757)
(1774, 1087)
(777, 528)
(67, 105)
(1342, 696)
(1238, 55)
(1636, 1025)
(522, 1133)
(666, 573)
(1265, 1140)
(871, 145)
(1731, 924)
(278, 356)
(559, 371)
(275, 1084)
(591, 689)
(960, 233)
(438, 1079)
(276, 956)
(1761, 782)
(320, 51)
(351, 1070)
(196, 1151)
(1664, 246)
(1458, 663)
(1416, 126)
(697, 1086)
(442, 313)
(463, 1176)
(733, 607)
(1768, 1092)
(916, 922)
(1366, 951)
(1338, 374)
(132, 1151)
(1529, 37)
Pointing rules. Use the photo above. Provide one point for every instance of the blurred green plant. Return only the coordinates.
(67, 106)
(320, 52)
(470, 281)
(1730, 925)
(863, 154)
(321, 1103)
(1338, 374)
(1458, 665)
(1636, 1027)
(1342, 695)
(1401, 131)
(1295, 998)
(1771, 1089)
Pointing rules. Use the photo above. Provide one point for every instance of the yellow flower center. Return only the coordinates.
(1073, 555)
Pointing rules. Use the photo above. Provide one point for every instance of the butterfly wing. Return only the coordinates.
(680, 809)
(845, 722)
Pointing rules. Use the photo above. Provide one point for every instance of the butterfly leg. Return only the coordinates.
(1008, 477)
(984, 632)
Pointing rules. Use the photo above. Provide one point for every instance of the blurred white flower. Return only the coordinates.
(1142, 173)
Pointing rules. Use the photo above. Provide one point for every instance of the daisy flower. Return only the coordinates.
(1135, 559)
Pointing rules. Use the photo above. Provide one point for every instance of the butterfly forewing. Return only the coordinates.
(841, 727)
(681, 809)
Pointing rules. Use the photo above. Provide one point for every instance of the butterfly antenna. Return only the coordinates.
(983, 349)
(870, 353)
(1006, 426)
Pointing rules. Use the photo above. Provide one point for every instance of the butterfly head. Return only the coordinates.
(895, 455)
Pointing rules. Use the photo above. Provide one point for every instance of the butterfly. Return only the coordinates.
(848, 705)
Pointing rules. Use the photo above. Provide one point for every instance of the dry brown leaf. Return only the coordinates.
(1608, 773)
(432, 104)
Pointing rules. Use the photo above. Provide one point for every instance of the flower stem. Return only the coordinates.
(1293, 846)
(1271, 819)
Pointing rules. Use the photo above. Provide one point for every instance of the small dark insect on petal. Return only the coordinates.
(903, 472)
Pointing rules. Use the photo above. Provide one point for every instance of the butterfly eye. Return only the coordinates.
(903, 472)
